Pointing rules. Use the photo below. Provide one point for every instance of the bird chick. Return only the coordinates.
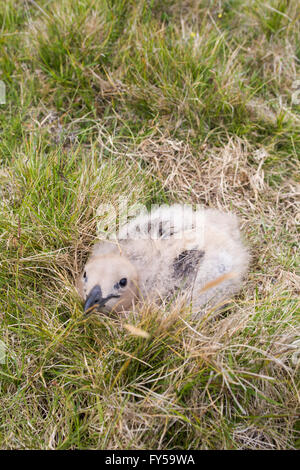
(163, 255)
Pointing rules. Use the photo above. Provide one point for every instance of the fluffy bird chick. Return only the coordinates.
(173, 252)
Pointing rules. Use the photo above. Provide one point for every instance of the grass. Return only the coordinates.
(160, 102)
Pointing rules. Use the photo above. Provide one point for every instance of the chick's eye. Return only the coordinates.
(84, 276)
(123, 282)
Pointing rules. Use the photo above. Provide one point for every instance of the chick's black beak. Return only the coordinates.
(94, 298)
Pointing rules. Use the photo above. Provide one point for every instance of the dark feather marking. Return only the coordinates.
(163, 229)
(187, 262)
(166, 230)
(160, 230)
(185, 267)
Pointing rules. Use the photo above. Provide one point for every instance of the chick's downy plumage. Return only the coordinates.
(171, 253)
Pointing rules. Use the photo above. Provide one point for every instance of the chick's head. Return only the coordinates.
(108, 283)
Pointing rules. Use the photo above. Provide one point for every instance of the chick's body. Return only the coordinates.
(168, 254)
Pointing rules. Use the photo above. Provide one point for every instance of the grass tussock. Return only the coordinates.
(159, 102)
